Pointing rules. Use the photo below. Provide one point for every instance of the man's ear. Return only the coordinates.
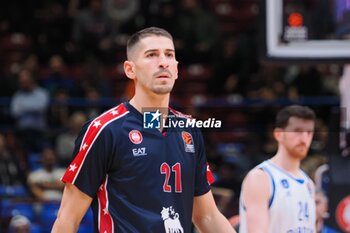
(177, 70)
(129, 69)
(277, 134)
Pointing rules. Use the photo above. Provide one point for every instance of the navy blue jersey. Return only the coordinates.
(141, 180)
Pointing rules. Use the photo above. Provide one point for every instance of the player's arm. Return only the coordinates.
(73, 207)
(206, 216)
(256, 191)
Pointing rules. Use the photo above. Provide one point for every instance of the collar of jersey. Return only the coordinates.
(301, 181)
(133, 110)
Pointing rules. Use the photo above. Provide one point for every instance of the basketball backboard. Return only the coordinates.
(311, 30)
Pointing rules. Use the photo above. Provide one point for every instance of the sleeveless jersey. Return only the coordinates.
(291, 205)
(140, 179)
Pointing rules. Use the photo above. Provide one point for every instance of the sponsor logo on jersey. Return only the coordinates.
(188, 141)
(139, 151)
(171, 220)
(135, 136)
(342, 214)
(285, 183)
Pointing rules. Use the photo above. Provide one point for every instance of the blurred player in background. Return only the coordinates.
(19, 224)
(138, 179)
(322, 213)
(277, 196)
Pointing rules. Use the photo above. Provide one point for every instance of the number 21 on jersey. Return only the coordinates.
(169, 171)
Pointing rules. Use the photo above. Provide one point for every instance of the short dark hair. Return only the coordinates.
(146, 32)
(298, 111)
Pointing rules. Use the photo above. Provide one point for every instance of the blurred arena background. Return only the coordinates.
(240, 62)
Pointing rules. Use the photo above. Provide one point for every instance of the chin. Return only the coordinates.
(300, 155)
(162, 90)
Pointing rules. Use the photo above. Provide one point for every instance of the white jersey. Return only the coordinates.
(291, 205)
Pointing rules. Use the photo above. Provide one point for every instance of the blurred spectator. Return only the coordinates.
(29, 107)
(93, 31)
(59, 110)
(344, 140)
(14, 147)
(228, 177)
(226, 78)
(65, 141)
(31, 64)
(45, 182)
(93, 76)
(93, 98)
(163, 14)
(10, 171)
(9, 79)
(196, 33)
(57, 80)
(123, 14)
(267, 83)
(322, 213)
(312, 163)
(19, 224)
(53, 28)
(308, 81)
(332, 74)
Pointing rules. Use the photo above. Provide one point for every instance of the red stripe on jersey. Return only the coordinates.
(210, 176)
(105, 221)
(90, 136)
(180, 114)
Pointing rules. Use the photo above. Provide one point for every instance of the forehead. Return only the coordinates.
(155, 43)
(299, 124)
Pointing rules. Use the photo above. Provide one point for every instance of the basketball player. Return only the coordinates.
(277, 196)
(141, 179)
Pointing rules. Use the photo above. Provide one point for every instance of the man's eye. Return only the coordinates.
(150, 55)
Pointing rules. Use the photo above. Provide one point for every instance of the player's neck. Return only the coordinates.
(147, 101)
(287, 163)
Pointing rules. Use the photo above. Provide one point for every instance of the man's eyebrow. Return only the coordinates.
(156, 50)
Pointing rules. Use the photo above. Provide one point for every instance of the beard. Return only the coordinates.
(299, 151)
(162, 88)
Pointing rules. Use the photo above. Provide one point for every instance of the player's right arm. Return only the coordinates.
(73, 207)
(256, 191)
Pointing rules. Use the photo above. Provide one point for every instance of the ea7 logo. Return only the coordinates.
(139, 151)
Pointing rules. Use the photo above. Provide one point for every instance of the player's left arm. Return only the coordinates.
(207, 217)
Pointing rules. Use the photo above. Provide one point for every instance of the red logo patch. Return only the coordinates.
(135, 136)
(188, 141)
(343, 214)
(187, 137)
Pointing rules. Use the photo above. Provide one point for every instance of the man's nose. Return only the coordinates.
(163, 61)
(304, 136)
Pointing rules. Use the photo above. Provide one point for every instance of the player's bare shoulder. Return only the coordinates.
(257, 181)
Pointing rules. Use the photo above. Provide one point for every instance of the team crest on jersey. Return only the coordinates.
(285, 183)
(171, 220)
(135, 136)
(188, 141)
